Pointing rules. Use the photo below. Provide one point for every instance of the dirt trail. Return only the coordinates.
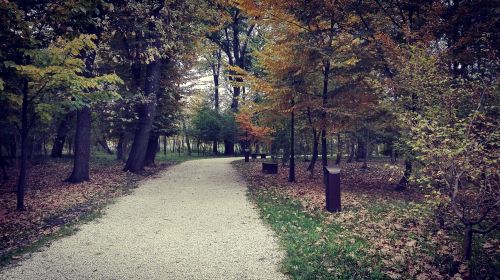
(192, 222)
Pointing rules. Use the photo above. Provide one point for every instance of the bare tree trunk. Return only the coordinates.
(152, 149)
(120, 147)
(393, 155)
(291, 174)
(62, 132)
(404, 180)
(365, 156)
(315, 151)
(135, 161)
(136, 158)
(21, 183)
(339, 149)
(351, 151)
(82, 147)
(165, 145)
(228, 148)
(188, 144)
(104, 145)
(324, 148)
(468, 241)
(83, 130)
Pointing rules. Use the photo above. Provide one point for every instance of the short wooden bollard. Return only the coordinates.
(332, 189)
(263, 156)
(247, 156)
(269, 168)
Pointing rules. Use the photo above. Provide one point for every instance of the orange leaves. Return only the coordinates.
(252, 132)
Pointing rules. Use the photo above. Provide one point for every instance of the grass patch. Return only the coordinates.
(315, 249)
(178, 158)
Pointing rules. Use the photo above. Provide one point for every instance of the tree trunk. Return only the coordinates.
(165, 145)
(214, 148)
(188, 144)
(62, 132)
(315, 151)
(12, 146)
(228, 148)
(82, 147)
(120, 147)
(136, 158)
(468, 242)
(135, 161)
(104, 145)
(21, 183)
(393, 155)
(339, 149)
(151, 150)
(291, 174)
(351, 151)
(324, 148)
(83, 129)
(360, 152)
(365, 156)
(404, 181)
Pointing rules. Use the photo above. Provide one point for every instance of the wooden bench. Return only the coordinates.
(269, 168)
(254, 156)
(263, 156)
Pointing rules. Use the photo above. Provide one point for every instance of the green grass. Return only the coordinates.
(178, 158)
(315, 249)
(101, 158)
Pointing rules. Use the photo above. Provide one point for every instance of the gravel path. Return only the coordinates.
(192, 222)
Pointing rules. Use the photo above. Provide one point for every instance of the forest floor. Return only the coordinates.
(191, 221)
(54, 207)
(380, 233)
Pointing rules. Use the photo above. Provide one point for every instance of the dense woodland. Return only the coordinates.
(412, 83)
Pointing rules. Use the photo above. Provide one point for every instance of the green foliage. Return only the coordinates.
(55, 78)
(206, 124)
(229, 128)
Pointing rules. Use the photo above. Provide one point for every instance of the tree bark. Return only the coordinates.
(82, 147)
(120, 147)
(291, 174)
(324, 147)
(214, 148)
(21, 183)
(104, 145)
(315, 151)
(152, 149)
(360, 152)
(339, 149)
(62, 132)
(228, 148)
(351, 151)
(165, 145)
(147, 110)
(186, 136)
(468, 242)
(401, 186)
(393, 155)
(135, 161)
(83, 129)
(365, 156)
